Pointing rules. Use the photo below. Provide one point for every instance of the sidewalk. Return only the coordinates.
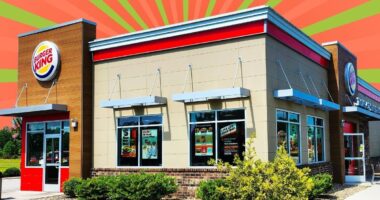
(370, 193)
(11, 190)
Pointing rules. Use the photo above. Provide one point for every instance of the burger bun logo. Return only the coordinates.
(350, 78)
(45, 61)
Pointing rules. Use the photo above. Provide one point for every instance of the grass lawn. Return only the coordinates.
(7, 163)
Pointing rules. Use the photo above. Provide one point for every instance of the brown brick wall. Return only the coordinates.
(188, 179)
(318, 168)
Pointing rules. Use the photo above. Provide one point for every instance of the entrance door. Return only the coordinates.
(52, 156)
(354, 157)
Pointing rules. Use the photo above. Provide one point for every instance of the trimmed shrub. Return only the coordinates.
(133, 186)
(13, 171)
(70, 185)
(322, 184)
(142, 186)
(208, 190)
(93, 188)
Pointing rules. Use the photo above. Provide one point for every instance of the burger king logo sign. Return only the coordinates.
(45, 61)
(350, 78)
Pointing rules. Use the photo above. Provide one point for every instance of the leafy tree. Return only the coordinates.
(5, 136)
(10, 149)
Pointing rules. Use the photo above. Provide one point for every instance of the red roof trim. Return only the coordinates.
(220, 34)
(296, 45)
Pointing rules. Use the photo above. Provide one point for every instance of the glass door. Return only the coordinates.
(354, 157)
(52, 156)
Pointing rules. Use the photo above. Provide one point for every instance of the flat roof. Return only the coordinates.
(57, 26)
(210, 23)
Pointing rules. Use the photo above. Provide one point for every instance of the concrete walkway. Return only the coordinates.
(370, 193)
(11, 190)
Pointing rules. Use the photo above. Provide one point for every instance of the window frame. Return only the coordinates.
(139, 126)
(315, 135)
(287, 136)
(43, 141)
(215, 121)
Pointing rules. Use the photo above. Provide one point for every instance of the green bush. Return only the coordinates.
(255, 179)
(133, 186)
(70, 185)
(142, 186)
(5, 136)
(93, 188)
(322, 184)
(208, 190)
(13, 171)
(10, 150)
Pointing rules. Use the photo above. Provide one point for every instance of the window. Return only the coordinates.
(65, 141)
(216, 135)
(288, 133)
(139, 141)
(35, 134)
(35, 137)
(315, 139)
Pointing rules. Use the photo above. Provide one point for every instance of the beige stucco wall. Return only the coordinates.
(293, 63)
(374, 138)
(213, 67)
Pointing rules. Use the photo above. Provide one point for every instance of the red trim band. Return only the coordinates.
(219, 34)
(294, 44)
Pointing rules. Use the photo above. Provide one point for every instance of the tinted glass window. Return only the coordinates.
(34, 147)
(230, 114)
(319, 122)
(282, 115)
(65, 139)
(127, 146)
(202, 116)
(150, 120)
(36, 127)
(150, 146)
(139, 145)
(294, 117)
(53, 127)
(202, 143)
(128, 121)
(231, 140)
(310, 120)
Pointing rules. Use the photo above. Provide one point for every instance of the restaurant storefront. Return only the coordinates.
(173, 98)
(54, 101)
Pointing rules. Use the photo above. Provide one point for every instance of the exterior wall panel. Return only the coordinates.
(213, 67)
(73, 88)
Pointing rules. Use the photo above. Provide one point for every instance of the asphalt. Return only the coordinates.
(11, 190)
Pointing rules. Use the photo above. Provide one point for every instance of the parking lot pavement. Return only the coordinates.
(11, 190)
(373, 192)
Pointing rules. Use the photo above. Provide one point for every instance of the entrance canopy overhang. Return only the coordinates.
(302, 98)
(133, 102)
(34, 110)
(227, 93)
(361, 111)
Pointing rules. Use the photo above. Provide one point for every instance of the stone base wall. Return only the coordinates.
(325, 167)
(188, 179)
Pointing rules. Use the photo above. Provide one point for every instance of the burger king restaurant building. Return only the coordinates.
(170, 99)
